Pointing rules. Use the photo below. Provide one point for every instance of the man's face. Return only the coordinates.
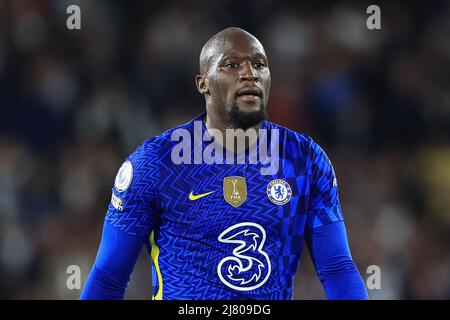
(239, 81)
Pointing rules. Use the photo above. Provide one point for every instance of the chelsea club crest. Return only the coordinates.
(279, 192)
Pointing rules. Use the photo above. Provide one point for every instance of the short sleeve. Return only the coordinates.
(134, 200)
(323, 205)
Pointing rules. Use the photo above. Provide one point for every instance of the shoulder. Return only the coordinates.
(293, 139)
(155, 147)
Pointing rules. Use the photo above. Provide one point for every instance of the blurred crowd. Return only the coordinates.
(75, 103)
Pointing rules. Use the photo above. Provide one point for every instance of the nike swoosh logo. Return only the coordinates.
(193, 197)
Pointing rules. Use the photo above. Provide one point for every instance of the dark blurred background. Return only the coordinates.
(75, 103)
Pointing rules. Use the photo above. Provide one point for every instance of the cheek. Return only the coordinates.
(266, 79)
(265, 83)
(223, 91)
(214, 89)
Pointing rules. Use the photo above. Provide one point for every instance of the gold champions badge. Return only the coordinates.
(234, 190)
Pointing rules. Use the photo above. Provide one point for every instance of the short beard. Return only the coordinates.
(245, 120)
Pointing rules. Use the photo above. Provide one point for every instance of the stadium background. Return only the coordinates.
(75, 103)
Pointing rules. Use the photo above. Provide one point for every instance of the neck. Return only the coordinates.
(215, 121)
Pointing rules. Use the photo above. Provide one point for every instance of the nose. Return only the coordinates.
(248, 73)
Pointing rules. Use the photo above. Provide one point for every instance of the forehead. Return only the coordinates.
(237, 46)
(241, 44)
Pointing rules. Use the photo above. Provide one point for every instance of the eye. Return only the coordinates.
(259, 65)
(232, 65)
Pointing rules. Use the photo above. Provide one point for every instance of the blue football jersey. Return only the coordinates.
(224, 231)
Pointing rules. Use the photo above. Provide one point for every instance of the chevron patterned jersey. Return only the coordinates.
(224, 231)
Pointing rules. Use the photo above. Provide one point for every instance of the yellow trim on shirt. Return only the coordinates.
(155, 256)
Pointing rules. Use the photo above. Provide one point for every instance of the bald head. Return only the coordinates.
(222, 41)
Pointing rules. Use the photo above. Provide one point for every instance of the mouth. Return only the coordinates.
(249, 94)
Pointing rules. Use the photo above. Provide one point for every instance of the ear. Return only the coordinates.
(202, 86)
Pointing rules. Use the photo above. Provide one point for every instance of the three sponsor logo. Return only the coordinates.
(248, 267)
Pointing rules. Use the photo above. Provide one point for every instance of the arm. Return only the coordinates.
(116, 257)
(334, 265)
(132, 214)
(325, 233)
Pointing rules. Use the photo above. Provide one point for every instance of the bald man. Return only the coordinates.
(225, 202)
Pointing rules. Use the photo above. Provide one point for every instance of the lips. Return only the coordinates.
(251, 92)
